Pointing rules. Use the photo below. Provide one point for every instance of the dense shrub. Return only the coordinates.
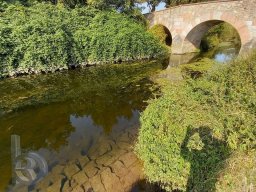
(189, 131)
(162, 33)
(46, 38)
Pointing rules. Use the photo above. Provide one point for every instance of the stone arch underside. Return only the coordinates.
(192, 35)
(168, 40)
(193, 39)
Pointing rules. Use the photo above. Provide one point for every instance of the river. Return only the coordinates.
(64, 116)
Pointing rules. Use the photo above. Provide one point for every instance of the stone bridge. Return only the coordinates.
(188, 23)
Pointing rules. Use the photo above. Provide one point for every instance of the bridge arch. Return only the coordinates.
(184, 20)
(194, 37)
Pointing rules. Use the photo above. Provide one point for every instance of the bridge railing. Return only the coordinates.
(192, 4)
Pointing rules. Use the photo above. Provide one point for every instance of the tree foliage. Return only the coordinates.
(162, 33)
(152, 4)
(126, 6)
(44, 38)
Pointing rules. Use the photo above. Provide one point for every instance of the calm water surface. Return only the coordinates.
(62, 115)
(222, 54)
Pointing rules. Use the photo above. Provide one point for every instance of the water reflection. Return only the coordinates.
(176, 60)
(220, 55)
(226, 55)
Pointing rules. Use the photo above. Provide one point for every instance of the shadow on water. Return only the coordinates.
(62, 115)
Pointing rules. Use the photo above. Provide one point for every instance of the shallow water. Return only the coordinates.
(221, 54)
(225, 55)
(62, 115)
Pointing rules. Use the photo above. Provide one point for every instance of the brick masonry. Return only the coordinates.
(188, 23)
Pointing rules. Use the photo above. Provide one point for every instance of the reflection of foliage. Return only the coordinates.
(220, 104)
(197, 68)
(60, 87)
(218, 34)
(104, 92)
(42, 104)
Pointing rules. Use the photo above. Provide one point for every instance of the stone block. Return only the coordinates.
(111, 181)
(83, 160)
(124, 145)
(80, 177)
(124, 137)
(78, 188)
(55, 176)
(71, 169)
(96, 184)
(128, 181)
(101, 148)
(128, 159)
(91, 169)
(87, 187)
(66, 187)
(55, 187)
(105, 160)
(137, 171)
(117, 152)
(119, 169)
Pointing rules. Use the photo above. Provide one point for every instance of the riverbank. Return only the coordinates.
(201, 129)
(44, 38)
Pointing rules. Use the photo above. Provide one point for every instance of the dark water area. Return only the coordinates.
(61, 115)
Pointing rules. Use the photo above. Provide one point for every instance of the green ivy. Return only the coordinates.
(46, 38)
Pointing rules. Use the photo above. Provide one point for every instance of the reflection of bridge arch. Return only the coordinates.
(188, 23)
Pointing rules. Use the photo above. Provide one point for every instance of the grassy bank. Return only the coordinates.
(200, 130)
(46, 38)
